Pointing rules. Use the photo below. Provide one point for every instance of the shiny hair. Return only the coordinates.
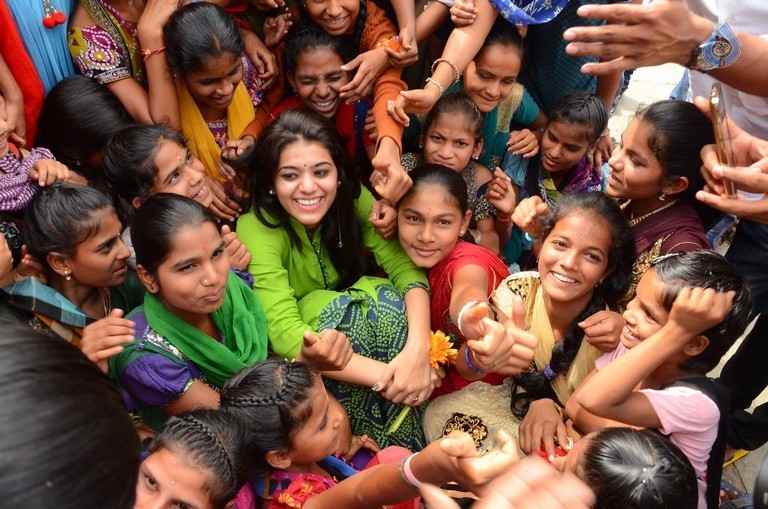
(78, 117)
(199, 32)
(129, 156)
(621, 257)
(61, 216)
(677, 131)
(210, 440)
(304, 37)
(457, 103)
(158, 221)
(272, 398)
(503, 35)
(67, 440)
(706, 269)
(637, 469)
(438, 175)
(341, 230)
(583, 110)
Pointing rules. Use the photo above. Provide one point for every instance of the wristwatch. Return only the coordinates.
(721, 49)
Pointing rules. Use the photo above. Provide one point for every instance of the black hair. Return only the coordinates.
(637, 469)
(158, 221)
(504, 35)
(61, 216)
(304, 37)
(438, 175)
(620, 260)
(198, 32)
(210, 440)
(457, 103)
(272, 398)
(66, 440)
(341, 230)
(352, 40)
(129, 156)
(583, 110)
(677, 131)
(706, 269)
(78, 117)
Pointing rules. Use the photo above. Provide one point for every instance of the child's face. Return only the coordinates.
(318, 78)
(5, 128)
(574, 257)
(429, 224)
(326, 432)
(213, 85)
(306, 182)
(489, 78)
(337, 17)
(100, 260)
(644, 315)
(635, 172)
(448, 143)
(166, 481)
(192, 281)
(179, 172)
(562, 146)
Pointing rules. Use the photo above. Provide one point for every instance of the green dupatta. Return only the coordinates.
(241, 320)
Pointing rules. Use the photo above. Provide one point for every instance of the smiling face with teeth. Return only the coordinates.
(574, 258)
(306, 182)
(337, 17)
(318, 78)
(644, 315)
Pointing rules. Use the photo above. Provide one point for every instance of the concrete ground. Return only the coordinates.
(646, 86)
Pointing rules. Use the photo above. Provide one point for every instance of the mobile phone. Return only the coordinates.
(722, 134)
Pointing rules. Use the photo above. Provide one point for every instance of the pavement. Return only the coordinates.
(648, 85)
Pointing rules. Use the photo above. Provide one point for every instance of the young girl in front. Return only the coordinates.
(689, 309)
(452, 138)
(432, 219)
(218, 84)
(304, 435)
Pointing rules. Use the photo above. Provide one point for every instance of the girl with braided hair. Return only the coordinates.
(200, 459)
(312, 461)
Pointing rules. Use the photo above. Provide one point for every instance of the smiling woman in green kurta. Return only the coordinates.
(306, 234)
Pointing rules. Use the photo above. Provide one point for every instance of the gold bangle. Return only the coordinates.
(456, 73)
(559, 410)
(435, 83)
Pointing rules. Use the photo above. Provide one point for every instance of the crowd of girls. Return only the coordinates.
(260, 300)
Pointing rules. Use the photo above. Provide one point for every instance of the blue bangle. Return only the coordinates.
(531, 239)
(469, 363)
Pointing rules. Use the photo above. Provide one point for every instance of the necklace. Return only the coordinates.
(106, 300)
(52, 16)
(633, 222)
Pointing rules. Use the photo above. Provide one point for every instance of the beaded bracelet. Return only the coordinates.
(470, 365)
(146, 53)
(456, 73)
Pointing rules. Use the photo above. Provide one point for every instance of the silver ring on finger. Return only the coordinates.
(413, 398)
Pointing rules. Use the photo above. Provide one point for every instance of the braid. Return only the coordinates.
(213, 442)
(537, 383)
(360, 25)
(195, 425)
(272, 398)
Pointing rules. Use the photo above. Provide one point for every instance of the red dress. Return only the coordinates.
(441, 285)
